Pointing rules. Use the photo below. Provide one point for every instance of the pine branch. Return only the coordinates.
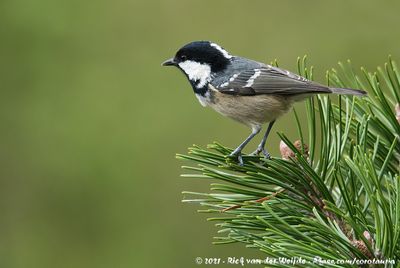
(336, 197)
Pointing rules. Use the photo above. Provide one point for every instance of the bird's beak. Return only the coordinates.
(169, 62)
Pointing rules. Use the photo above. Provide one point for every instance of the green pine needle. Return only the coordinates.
(338, 198)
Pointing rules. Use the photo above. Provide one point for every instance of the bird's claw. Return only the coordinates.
(239, 157)
(263, 151)
(266, 154)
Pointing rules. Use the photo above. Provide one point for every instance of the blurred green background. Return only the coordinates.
(90, 121)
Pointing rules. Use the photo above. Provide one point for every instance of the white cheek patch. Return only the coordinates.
(256, 74)
(197, 72)
(223, 51)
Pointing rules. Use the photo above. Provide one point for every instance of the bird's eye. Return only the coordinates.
(183, 57)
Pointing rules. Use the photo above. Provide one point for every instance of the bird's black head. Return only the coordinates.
(200, 60)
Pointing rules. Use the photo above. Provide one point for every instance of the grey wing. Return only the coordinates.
(270, 80)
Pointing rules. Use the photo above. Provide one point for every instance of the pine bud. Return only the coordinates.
(287, 153)
(360, 245)
(367, 236)
(397, 110)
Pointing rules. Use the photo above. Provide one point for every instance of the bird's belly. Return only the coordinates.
(250, 110)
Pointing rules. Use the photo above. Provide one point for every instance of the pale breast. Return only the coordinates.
(249, 110)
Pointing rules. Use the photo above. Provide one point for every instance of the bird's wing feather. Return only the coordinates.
(270, 80)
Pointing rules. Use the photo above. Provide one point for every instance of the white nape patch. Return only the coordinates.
(223, 51)
(256, 74)
(204, 100)
(197, 72)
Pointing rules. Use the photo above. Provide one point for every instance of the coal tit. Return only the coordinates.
(250, 92)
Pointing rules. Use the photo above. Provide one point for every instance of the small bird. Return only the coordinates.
(250, 92)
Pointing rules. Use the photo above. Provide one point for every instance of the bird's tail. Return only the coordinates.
(348, 91)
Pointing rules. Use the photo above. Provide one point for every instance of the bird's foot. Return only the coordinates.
(238, 155)
(263, 151)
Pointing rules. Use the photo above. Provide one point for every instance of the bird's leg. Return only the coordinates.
(261, 146)
(238, 151)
